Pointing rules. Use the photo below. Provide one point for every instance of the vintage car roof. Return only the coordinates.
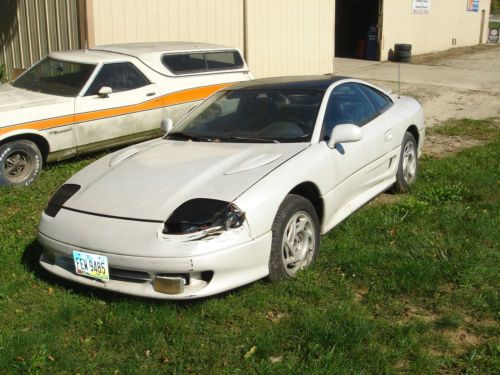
(311, 82)
(86, 56)
(151, 53)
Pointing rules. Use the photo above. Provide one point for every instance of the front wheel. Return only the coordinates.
(408, 164)
(20, 163)
(295, 240)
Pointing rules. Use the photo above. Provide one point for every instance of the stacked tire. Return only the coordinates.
(402, 52)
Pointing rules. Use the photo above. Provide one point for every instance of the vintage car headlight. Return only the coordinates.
(60, 197)
(200, 214)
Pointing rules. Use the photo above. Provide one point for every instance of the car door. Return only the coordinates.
(357, 168)
(126, 114)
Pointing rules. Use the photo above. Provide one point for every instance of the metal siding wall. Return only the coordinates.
(287, 37)
(214, 21)
(447, 20)
(38, 27)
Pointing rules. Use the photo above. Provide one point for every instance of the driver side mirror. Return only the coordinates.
(166, 125)
(345, 133)
(104, 92)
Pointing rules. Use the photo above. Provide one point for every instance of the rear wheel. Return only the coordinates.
(295, 238)
(408, 164)
(20, 163)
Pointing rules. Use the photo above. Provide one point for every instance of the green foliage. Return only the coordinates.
(3, 73)
(395, 288)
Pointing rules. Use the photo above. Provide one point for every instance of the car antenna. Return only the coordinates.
(399, 80)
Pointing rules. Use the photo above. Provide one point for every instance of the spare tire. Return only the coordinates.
(402, 52)
(402, 47)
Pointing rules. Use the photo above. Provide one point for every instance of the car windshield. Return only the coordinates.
(55, 77)
(252, 116)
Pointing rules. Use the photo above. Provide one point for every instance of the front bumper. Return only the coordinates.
(208, 274)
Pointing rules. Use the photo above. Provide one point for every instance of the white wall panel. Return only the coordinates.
(447, 20)
(288, 37)
(129, 21)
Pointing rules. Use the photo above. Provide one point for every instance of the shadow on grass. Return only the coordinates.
(30, 260)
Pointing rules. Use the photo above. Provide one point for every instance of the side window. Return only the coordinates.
(200, 62)
(347, 105)
(379, 100)
(118, 76)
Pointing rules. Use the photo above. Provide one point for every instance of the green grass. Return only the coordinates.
(485, 129)
(494, 25)
(411, 286)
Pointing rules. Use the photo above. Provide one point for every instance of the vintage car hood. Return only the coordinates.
(149, 181)
(16, 105)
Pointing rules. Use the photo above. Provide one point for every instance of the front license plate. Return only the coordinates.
(95, 266)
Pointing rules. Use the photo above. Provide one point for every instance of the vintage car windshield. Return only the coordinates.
(252, 116)
(55, 77)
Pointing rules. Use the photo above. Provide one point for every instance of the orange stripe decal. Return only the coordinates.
(179, 97)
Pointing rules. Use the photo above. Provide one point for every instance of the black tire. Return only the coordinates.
(20, 163)
(402, 47)
(404, 176)
(403, 54)
(294, 207)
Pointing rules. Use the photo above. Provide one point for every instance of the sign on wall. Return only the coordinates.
(421, 6)
(472, 5)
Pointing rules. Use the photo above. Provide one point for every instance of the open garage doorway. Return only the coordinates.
(358, 26)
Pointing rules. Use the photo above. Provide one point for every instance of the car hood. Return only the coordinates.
(18, 101)
(149, 181)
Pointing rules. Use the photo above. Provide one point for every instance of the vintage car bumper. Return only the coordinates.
(206, 267)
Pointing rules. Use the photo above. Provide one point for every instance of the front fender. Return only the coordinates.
(261, 202)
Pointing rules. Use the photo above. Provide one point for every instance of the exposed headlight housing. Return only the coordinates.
(60, 197)
(200, 214)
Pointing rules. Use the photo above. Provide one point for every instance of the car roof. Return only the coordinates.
(152, 52)
(149, 53)
(142, 50)
(86, 56)
(310, 82)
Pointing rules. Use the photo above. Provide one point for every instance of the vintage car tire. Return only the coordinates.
(20, 163)
(293, 209)
(408, 164)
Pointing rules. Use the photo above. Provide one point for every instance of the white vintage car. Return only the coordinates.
(240, 189)
(75, 102)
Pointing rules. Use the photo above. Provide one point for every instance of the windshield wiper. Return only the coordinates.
(248, 139)
(189, 137)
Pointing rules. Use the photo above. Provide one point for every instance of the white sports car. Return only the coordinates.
(240, 189)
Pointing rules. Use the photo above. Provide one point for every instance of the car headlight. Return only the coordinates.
(60, 197)
(200, 214)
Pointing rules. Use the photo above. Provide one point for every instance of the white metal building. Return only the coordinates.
(277, 37)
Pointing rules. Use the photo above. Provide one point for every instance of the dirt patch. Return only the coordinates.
(441, 103)
(442, 57)
(462, 339)
(360, 294)
(387, 198)
(441, 146)
(412, 312)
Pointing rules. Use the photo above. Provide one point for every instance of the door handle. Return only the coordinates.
(388, 135)
(151, 93)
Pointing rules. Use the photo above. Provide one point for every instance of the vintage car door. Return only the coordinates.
(129, 112)
(357, 168)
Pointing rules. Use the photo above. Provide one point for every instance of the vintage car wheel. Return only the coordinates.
(408, 164)
(20, 163)
(295, 238)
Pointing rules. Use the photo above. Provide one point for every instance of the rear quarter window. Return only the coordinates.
(202, 62)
